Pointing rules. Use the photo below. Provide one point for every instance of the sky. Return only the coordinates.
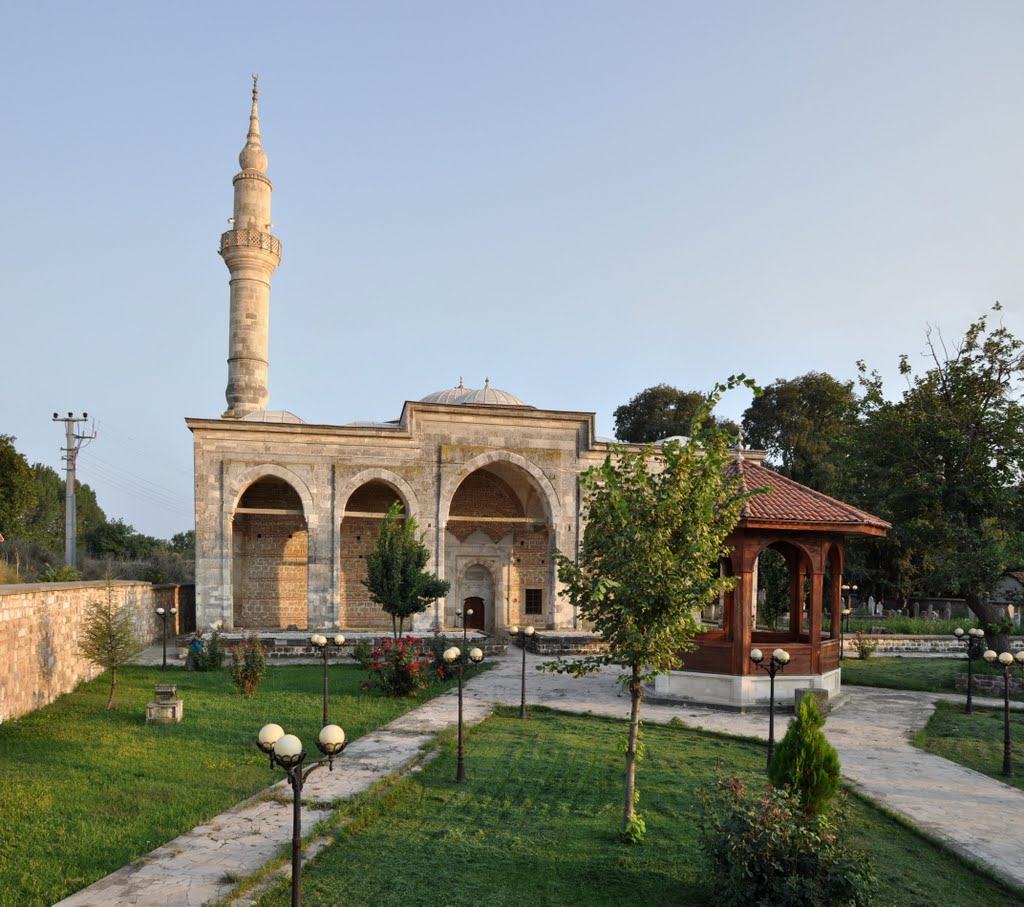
(577, 200)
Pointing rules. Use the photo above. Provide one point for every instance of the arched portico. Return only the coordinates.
(499, 512)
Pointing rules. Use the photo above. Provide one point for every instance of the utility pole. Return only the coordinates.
(73, 442)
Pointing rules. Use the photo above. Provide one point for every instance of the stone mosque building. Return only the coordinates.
(286, 511)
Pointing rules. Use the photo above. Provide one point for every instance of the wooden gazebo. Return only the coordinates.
(809, 530)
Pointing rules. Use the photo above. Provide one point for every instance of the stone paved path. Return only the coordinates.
(972, 813)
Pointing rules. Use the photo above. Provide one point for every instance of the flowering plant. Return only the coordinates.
(248, 664)
(864, 645)
(400, 666)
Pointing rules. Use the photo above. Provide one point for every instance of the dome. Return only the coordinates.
(491, 396)
(484, 396)
(449, 395)
(273, 415)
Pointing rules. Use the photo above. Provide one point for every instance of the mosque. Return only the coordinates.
(286, 511)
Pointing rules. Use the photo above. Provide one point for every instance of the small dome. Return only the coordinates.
(449, 395)
(491, 396)
(273, 415)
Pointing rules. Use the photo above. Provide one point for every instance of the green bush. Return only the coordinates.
(436, 645)
(805, 763)
(248, 664)
(864, 645)
(211, 656)
(362, 651)
(400, 667)
(762, 852)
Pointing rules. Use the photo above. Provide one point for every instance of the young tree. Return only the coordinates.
(656, 523)
(395, 576)
(108, 637)
(944, 464)
(17, 494)
(805, 763)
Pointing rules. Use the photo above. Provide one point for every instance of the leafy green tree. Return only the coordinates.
(648, 560)
(395, 576)
(805, 763)
(184, 542)
(805, 425)
(660, 412)
(118, 541)
(108, 637)
(46, 519)
(17, 494)
(943, 464)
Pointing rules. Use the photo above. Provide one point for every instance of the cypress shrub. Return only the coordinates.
(805, 763)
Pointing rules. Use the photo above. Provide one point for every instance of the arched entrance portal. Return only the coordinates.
(270, 573)
(497, 549)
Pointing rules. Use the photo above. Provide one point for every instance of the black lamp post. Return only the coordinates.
(286, 751)
(777, 663)
(972, 636)
(1005, 662)
(163, 616)
(521, 634)
(322, 645)
(465, 626)
(454, 657)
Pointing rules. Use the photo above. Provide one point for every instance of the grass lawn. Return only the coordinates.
(85, 791)
(930, 675)
(975, 740)
(535, 823)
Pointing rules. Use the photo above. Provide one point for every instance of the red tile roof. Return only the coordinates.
(791, 502)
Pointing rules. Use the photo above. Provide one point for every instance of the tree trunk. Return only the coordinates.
(636, 695)
(990, 616)
(113, 688)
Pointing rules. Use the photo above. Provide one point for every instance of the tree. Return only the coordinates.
(119, 541)
(17, 495)
(46, 520)
(662, 412)
(395, 576)
(943, 463)
(805, 424)
(649, 560)
(805, 763)
(108, 637)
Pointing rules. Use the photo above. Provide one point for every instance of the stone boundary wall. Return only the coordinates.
(989, 685)
(891, 644)
(40, 628)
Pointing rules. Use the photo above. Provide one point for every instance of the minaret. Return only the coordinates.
(252, 255)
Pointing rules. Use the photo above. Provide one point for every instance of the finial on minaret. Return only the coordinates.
(252, 156)
(739, 444)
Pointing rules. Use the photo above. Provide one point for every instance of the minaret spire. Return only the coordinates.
(251, 254)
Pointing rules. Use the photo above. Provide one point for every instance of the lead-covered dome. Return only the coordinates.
(484, 396)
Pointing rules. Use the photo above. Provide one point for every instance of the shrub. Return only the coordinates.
(63, 573)
(248, 664)
(108, 636)
(399, 667)
(761, 851)
(362, 651)
(805, 763)
(211, 656)
(864, 645)
(436, 645)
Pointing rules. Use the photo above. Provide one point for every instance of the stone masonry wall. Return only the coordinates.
(272, 583)
(40, 628)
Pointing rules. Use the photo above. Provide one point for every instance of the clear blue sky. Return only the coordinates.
(577, 199)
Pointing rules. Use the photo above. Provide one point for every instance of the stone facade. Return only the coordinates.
(287, 512)
(40, 628)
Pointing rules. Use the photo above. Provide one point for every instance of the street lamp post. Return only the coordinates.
(453, 657)
(465, 626)
(777, 663)
(286, 751)
(522, 634)
(322, 645)
(972, 636)
(162, 613)
(1005, 662)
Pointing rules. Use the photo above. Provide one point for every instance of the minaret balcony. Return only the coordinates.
(246, 238)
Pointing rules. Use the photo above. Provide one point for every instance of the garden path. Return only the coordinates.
(968, 811)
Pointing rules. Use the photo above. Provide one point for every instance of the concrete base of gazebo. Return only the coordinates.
(743, 693)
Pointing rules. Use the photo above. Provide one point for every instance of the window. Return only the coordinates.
(534, 601)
